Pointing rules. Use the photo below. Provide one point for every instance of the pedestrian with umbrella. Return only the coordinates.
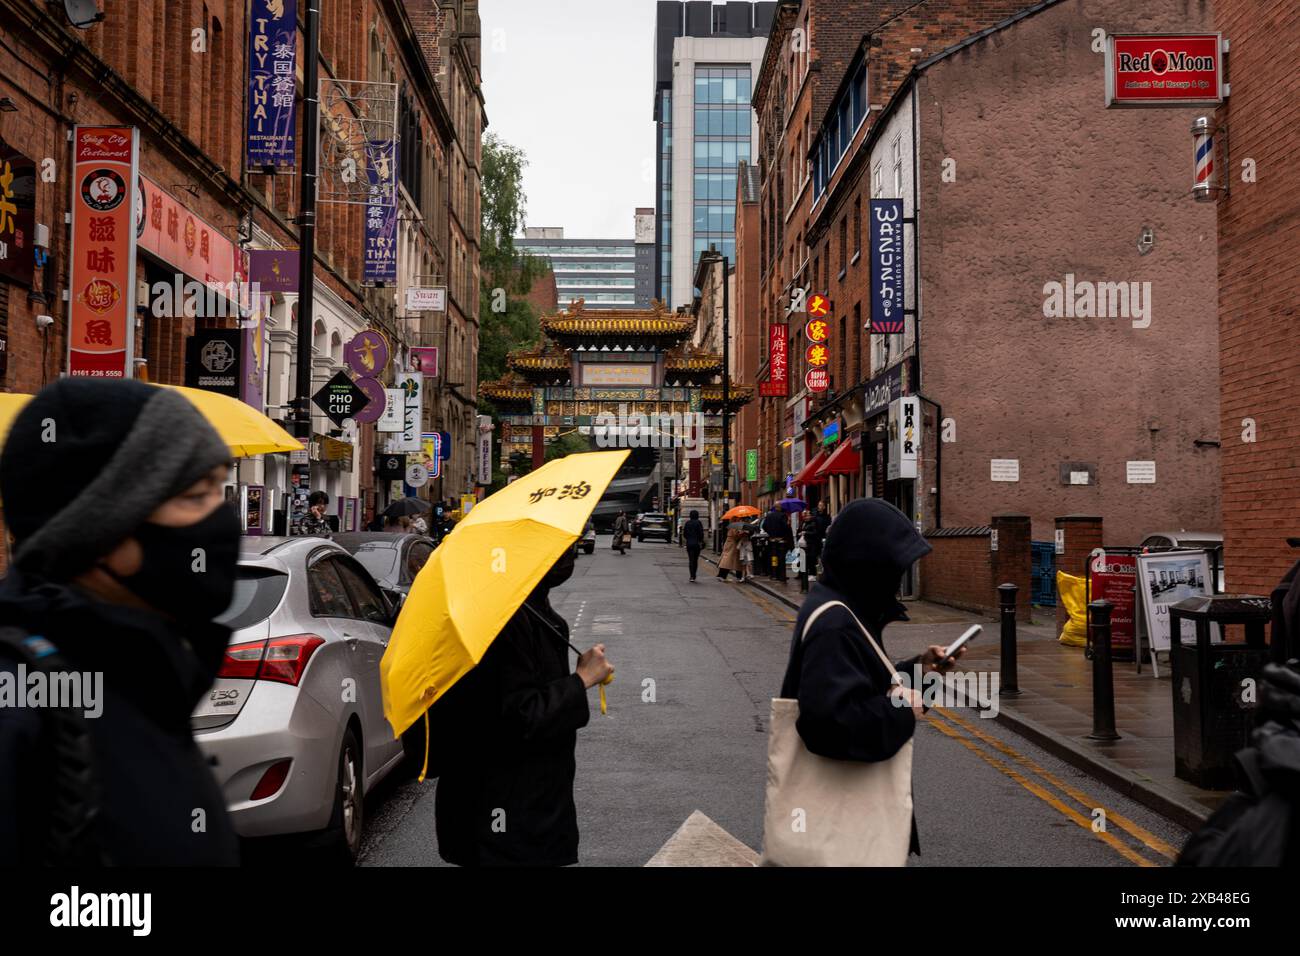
(729, 563)
(481, 654)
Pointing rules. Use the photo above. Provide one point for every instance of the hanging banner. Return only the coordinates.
(381, 214)
(272, 72)
(886, 266)
(904, 438)
(485, 450)
(778, 362)
(274, 270)
(214, 361)
(424, 358)
(390, 420)
(751, 464)
(17, 215)
(102, 295)
(431, 442)
(377, 397)
(412, 386)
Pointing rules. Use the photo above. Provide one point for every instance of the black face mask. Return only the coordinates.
(175, 580)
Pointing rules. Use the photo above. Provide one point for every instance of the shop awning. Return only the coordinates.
(808, 476)
(845, 461)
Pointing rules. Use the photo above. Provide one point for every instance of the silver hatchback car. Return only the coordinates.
(295, 718)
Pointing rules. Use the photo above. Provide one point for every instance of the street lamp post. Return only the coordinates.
(726, 384)
(307, 242)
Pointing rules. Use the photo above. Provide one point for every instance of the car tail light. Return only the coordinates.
(242, 660)
(286, 657)
(281, 659)
(272, 780)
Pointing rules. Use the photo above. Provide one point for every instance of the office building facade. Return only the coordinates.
(601, 272)
(706, 57)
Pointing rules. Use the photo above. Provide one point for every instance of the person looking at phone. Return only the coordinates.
(849, 709)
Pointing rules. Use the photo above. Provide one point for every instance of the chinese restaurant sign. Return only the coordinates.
(1165, 70)
(272, 71)
(818, 333)
(17, 215)
(102, 288)
(381, 214)
(778, 352)
(183, 240)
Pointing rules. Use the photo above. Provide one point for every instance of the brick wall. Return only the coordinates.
(1259, 293)
(959, 571)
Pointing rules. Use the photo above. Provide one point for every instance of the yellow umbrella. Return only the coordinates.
(478, 577)
(246, 430)
(11, 403)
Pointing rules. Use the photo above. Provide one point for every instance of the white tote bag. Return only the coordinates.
(825, 812)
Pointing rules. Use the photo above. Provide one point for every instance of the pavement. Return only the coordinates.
(674, 774)
(1054, 709)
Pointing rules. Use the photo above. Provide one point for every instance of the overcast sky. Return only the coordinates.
(571, 82)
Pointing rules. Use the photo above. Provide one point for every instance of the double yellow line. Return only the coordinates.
(1034, 778)
(1037, 780)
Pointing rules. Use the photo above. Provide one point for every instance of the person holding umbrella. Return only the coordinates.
(480, 653)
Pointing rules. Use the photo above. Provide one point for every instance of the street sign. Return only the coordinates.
(1165, 70)
(817, 380)
(886, 266)
(426, 299)
(367, 353)
(377, 405)
(417, 475)
(340, 399)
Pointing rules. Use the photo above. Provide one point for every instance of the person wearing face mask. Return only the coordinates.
(123, 552)
(505, 789)
(848, 707)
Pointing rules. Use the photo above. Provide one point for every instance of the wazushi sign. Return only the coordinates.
(904, 438)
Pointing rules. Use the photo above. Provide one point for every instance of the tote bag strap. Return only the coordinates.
(865, 633)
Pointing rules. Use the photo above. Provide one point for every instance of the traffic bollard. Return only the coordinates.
(1103, 684)
(1010, 685)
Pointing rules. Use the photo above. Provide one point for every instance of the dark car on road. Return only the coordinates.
(392, 559)
(654, 524)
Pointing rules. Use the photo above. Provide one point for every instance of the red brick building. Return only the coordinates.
(1259, 292)
(176, 71)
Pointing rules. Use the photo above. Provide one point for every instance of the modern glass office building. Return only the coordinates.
(706, 56)
(603, 272)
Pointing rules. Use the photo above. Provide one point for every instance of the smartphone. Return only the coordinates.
(961, 642)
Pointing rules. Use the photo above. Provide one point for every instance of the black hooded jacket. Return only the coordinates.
(842, 685)
(505, 794)
(153, 778)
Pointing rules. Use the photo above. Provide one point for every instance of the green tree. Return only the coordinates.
(568, 443)
(507, 321)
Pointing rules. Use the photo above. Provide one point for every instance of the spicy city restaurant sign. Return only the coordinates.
(1166, 70)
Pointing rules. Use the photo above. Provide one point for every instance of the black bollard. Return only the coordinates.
(1010, 683)
(1103, 684)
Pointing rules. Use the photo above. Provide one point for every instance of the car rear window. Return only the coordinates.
(380, 560)
(258, 592)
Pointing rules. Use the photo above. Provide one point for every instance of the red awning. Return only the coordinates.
(845, 461)
(808, 475)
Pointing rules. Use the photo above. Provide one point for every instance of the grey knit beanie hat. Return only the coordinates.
(88, 460)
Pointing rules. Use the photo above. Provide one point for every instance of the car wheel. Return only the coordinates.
(347, 819)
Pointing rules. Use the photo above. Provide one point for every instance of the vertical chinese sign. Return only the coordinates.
(272, 72)
(17, 215)
(102, 287)
(778, 362)
(886, 266)
(381, 214)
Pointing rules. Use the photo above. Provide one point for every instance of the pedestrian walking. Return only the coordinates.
(109, 521)
(814, 534)
(729, 563)
(780, 540)
(314, 523)
(746, 555)
(505, 793)
(839, 700)
(622, 533)
(693, 538)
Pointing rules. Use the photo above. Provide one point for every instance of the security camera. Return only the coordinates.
(44, 321)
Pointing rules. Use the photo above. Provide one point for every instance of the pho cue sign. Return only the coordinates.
(1166, 70)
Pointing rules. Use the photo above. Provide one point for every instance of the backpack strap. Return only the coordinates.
(74, 787)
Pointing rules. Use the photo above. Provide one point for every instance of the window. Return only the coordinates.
(897, 149)
(325, 590)
(370, 603)
(857, 225)
(857, 341)
(844, 243)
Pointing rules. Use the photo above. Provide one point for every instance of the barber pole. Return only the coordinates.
(1204, 188)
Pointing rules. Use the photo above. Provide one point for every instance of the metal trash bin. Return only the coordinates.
(1213, 714)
